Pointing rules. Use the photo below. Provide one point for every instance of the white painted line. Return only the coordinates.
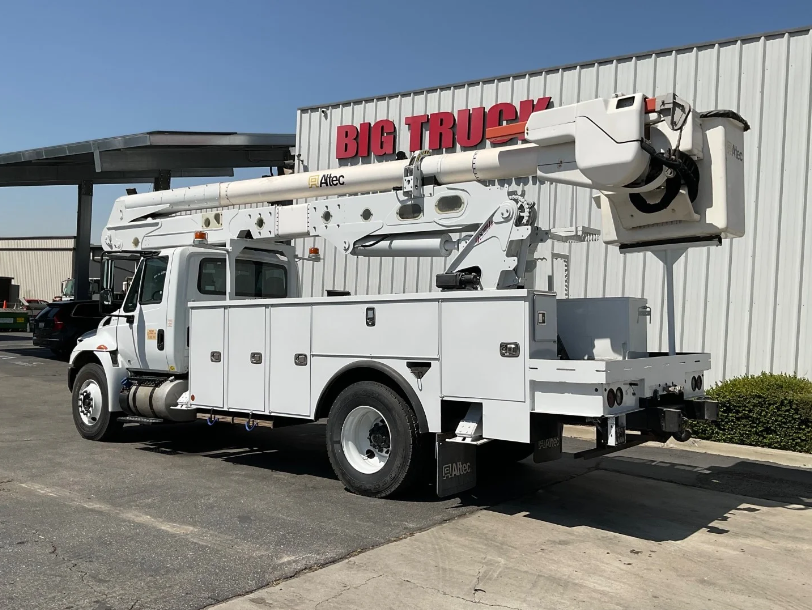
(195, 534)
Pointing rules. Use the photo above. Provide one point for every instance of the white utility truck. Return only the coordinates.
(213, 325)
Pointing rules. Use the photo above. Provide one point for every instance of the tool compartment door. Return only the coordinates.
(247, 360)
(376, 329)
(289, 388)
(206, 357)
(472, 365)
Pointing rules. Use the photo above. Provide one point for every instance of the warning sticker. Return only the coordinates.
(152, 334)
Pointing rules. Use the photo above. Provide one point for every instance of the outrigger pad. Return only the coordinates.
(456, 467)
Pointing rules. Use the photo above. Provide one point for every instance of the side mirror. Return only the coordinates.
(106, 297)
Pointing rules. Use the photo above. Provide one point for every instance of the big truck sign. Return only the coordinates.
(445, 129)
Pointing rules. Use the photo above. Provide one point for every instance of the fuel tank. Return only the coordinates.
(153, 396)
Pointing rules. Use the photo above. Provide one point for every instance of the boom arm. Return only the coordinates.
(662, 171)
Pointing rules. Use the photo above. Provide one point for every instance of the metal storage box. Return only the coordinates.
(612, 328)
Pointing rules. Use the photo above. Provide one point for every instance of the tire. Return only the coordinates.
(373, 440)
(91, 411)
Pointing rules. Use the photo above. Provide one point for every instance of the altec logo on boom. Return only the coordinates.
(445, 130)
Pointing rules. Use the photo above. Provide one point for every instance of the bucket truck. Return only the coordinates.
(213, 325)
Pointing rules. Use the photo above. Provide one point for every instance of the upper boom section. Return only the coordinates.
(654, 161)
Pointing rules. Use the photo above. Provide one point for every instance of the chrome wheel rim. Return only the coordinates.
(89, 403)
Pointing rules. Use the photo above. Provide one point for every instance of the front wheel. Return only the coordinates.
(91, 413)
(373, 440)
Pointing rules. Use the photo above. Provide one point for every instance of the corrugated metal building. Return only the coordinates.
(747, 302)
(37, 264)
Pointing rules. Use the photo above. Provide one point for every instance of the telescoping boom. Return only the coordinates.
(643, 154)
(213, 324)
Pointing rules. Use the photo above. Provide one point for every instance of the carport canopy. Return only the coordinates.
(152, 157)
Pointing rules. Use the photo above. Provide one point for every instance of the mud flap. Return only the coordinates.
(456, 467)
(545, 434)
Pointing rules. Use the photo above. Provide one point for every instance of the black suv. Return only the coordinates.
(59, 326)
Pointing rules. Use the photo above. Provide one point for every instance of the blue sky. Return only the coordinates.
(79, 70)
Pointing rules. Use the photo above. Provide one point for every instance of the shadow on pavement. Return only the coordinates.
(661, 501)
(28, 350)
(296, 450)
(32, 352)
(619, 493)
(14, 336)
(301, 450)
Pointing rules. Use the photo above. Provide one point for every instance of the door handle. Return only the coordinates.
(160, 340)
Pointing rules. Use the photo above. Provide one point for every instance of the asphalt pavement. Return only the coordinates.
(189, 515)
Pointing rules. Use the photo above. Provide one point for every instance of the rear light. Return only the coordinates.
(619, 396)
(58, 323)
(610, 398)
(699, 382)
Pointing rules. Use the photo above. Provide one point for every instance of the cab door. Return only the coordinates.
(142, 338)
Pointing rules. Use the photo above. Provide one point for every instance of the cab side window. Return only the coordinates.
(211, 276)
(253, 279)
(152, 286)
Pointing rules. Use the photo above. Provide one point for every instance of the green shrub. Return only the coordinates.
(764, 410)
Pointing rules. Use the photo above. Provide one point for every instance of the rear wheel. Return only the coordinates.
(373, 440)
(91, 413)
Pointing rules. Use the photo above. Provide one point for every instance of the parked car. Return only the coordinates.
(59, 326)
(33, 307)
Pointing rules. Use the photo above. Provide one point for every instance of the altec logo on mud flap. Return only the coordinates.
(325, 180)
(445, 129)
(549, 443)
(456, 469)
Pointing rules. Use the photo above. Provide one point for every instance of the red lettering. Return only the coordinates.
(470, 126)
(415, 124)
(498, 113)
(527, 107)
(441, 134)
(346, 141)
(363, 140)
(383, 137)
(466, 128)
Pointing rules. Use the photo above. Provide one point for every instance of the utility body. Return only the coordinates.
(213, 325)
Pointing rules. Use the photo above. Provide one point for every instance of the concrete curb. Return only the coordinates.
(759, 454)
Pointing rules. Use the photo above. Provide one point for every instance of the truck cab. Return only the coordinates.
(151, 325)
(143, 341)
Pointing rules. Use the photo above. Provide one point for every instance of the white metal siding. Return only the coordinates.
(747, 302)
(37, 264)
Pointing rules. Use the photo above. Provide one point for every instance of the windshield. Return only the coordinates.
(67, 287)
